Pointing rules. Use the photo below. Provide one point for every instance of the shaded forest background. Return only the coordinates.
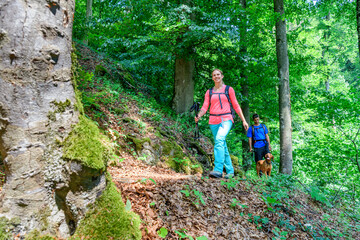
(148, 37)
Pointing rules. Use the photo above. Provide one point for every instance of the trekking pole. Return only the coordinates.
(195, 107)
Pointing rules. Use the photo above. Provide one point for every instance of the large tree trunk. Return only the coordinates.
(244, 89)
(183, 97)
(36, 114)
(286, 160)
(358, 22)
(183, 85)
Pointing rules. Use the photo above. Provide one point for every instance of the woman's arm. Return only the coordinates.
(237, 108)
(204, 107)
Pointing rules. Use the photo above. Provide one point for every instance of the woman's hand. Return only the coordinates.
(246, 125)
(197, 119)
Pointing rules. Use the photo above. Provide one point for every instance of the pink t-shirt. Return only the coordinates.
(215, 107)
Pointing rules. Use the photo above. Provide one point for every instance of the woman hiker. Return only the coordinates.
(220, 97)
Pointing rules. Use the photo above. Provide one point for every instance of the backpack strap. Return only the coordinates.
(227, 96)
(253, 134)
(210, 95)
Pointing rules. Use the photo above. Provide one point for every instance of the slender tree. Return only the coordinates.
(358, 22)
(89, 14)
(286, 160)
(244, 86)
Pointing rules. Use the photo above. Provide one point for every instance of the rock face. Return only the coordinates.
(37, 110)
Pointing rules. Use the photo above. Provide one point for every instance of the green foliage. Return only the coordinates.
(318, 196)
(231, 183)
(162, 232)
(35, 235)
(182, 234)
(87, 145)
(109, 218)
(4, 229)
(195, 195)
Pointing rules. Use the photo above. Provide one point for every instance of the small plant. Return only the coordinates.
(142, 158)
(186, 191)
(235, 203)
(279, 235)
(230, 184)
(162, 232)
(199, 196)
(271, 202)
(144, 180)
(182, 234)
(195, 193)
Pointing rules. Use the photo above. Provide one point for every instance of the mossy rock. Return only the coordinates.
(184, 165)
(237, 168)
(85, 144)
(165, 133)
(234, 160)
(138, 142)
(108, 219)
(172, 149)
(100, 70)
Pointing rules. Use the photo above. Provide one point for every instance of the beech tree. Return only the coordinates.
(358, 22)
(286, 160)
(47, 188)
(183, 96)
(244, 88)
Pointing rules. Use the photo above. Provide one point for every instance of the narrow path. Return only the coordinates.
(194, 205)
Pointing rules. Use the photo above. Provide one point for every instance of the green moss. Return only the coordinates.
(179, 165)
(61, 106)
(237, 169)
(43, 215)
(171, 148)
(4, 229)
(234, 160)
(139, 142)
(51, 116)
(108, 219)
(35, 235)
(87, 145)
(75, 67)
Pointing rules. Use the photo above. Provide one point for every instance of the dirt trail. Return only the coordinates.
(178, 202)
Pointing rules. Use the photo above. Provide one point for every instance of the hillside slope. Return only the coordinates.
(162, 173)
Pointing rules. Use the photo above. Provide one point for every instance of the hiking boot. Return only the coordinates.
(215, 174)
(229, 175)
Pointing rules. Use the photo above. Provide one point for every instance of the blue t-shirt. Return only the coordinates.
(259, 134)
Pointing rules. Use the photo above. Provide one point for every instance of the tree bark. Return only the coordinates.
(183, 85)
(37, 111)
(244, 88)
(358, 22)
(183, 97)
(286, 160)
(88, 18)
